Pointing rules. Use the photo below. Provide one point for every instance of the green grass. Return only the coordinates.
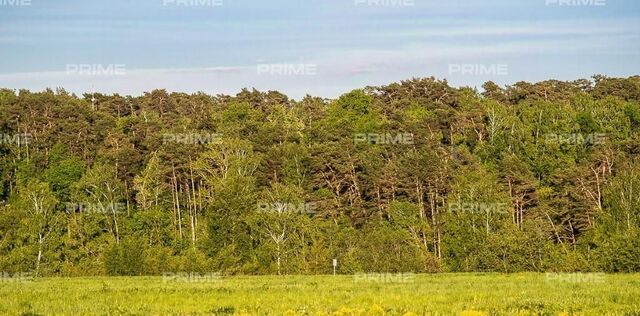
(437, 294)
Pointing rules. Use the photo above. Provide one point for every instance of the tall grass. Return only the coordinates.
(437, 294)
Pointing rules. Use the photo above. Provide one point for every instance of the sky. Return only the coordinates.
(319, 47)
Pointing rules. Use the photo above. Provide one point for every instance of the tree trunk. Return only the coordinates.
(40, 241)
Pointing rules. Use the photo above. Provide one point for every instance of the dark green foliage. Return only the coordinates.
(587, 123)
(63, 171)
(126, 258)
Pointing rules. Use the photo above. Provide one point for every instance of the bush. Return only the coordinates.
(126, 258)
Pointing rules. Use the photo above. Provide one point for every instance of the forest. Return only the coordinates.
(416, 176)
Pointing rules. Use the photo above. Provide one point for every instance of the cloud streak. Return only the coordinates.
(217, 50)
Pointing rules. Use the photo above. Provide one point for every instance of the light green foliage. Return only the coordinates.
(534, 188)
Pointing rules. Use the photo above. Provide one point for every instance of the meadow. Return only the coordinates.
(370, 294)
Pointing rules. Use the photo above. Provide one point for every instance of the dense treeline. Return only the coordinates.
(414, 176)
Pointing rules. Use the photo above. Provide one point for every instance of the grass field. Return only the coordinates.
(437, 294)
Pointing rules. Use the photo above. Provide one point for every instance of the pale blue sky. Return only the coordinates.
(216, 49)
